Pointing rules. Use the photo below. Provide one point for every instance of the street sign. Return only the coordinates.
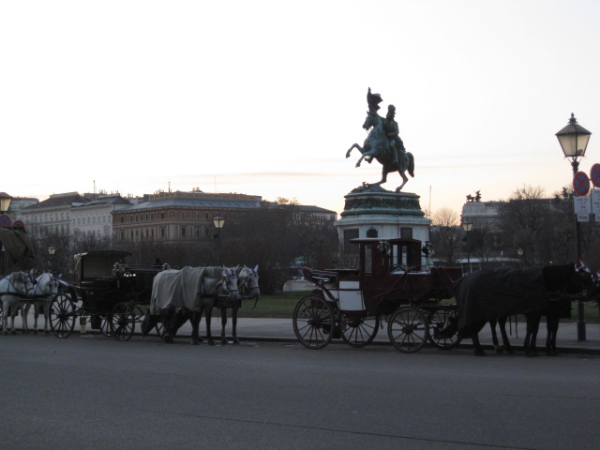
(596, 201)
(582, 205)
(581, 183)
(595, 175)
(583, 217)
(19, 223)
(5, 221)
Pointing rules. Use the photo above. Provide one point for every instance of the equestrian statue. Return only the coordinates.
(384, 144)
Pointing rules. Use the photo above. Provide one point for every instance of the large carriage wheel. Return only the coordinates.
(407, 330)
(106, 325)
(314, 322)
(62, 316)
(442, 324)
(358, 331)
(122, 319)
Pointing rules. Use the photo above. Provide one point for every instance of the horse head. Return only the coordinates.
(22, 282)
(372, 120)
(229, 283)
(248, 282)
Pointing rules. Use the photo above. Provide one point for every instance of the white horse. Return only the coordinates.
(45, 288)
(14, 288)
(248, 287)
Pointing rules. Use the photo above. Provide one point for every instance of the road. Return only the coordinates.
(90, 392)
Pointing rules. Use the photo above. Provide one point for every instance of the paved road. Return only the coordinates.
(91, 392)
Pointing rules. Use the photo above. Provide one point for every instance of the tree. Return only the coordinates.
(446, 235)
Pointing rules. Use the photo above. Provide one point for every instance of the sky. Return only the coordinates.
(265, 97)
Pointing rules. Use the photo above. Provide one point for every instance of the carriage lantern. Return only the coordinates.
(574, 140)
(218, 221)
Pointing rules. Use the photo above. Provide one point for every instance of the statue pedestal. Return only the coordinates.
(375, 212)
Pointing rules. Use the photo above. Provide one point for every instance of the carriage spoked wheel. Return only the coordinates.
(358, 331)
(122, 320)
(314, 322)
(106, 325)
(443, 327)
(1, 317)
(62, 316)
(407, 329)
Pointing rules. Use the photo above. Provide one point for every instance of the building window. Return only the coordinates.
(372, 233)
(162, 216)
(183, 231)
(162, 232)
(406, 233)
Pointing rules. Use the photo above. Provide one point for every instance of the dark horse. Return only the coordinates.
(490, 295)
(377, 146)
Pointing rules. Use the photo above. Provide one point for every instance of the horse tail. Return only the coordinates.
(411, 164)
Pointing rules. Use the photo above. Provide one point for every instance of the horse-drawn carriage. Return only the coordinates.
(389, 284)
(113, 295)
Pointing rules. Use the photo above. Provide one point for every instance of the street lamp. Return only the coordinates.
(5, 201)
(219, 221)
(51, 252)
(574, 140)
(468, 226)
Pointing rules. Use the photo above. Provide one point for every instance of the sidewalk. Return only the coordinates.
(281, 330)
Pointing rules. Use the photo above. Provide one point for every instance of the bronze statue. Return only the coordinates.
(384, 144)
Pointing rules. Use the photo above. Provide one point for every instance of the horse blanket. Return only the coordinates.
(179, 289)
(488, 294)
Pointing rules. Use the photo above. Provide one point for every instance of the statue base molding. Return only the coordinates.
(371, 211)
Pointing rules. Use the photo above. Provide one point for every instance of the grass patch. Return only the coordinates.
(281, 306)
(275, 306)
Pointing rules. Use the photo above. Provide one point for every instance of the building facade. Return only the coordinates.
(52, 215)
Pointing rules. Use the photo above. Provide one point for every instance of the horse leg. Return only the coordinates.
(47, 317)
(384, 174)
(552, 328)
(25, 306)
(533, 326)
(472, 331)
(234, 313)
(223, 325)
(195, 320)
(497, 346)
(505, 341)
(360, 149)
(404, 181)
(209, 308)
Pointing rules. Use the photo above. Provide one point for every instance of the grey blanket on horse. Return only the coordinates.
(178, 288)
(488, 294)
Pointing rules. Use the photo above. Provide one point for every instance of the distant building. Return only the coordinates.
(52, 215)
(178, 216)
(94, 219)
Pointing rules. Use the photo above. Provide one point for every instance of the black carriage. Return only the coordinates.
(108, 293)
(389, 285)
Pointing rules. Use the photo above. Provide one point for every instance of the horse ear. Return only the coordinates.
(256, 268)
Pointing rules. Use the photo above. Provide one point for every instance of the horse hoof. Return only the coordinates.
(168, 340)
(194, 341)
(357, 165)
(480, 353)
(499, 349)
(211, 342)
(13, 332)
(46, 333)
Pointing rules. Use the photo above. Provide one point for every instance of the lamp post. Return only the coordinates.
(468, 226)
(573, 140)
(51, 252)
(5, 201)
(219, 221)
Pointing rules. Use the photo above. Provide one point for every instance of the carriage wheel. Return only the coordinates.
(62, 316)
(407, 330)
(442, 325)
(160, 329)
(313, 322)
(358, 331)
(1, 317)
(106, 325)
(122, 319)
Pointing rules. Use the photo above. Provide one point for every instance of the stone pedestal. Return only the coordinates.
(376, 212)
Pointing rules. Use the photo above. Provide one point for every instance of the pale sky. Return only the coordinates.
(265, 97)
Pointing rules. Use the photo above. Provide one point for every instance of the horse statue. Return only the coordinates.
(182, 295)
(249, 289)
(377, 146)
(492, 295)
(45, 288)
(13, 289)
